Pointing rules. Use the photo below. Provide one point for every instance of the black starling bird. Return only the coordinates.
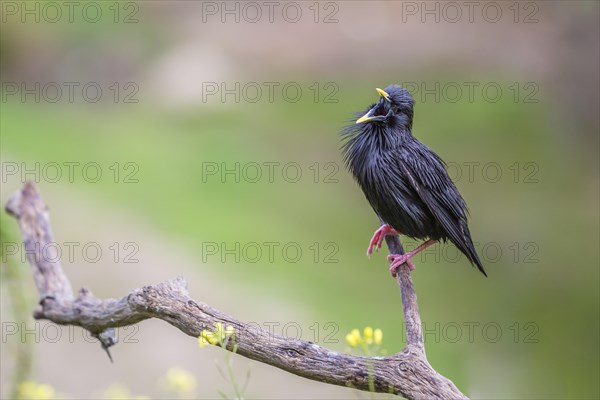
(405, 182)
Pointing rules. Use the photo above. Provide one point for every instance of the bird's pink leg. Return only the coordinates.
(378, 237)
(399, 259)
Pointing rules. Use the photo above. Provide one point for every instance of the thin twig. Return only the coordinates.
(412, 318)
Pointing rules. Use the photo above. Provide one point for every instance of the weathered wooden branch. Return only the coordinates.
(406, 373)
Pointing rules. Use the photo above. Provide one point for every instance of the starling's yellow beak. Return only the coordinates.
(369, 116)
(383, 94)
(366, 117)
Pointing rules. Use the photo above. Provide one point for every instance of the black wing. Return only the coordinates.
(426, 174)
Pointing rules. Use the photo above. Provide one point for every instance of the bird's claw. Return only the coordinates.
(375, 242)
(378, 237)
(399, 259)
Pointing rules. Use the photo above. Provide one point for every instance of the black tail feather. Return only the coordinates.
(467, 247)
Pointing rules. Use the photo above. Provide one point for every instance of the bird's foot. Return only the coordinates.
(399, 259)
(378, 237)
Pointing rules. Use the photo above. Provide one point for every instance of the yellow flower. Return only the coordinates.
(117, 391)
(367, 342)
(368, 334)
(180, 380)
(35, 391)
(218, 336)
(353, 338)
(202, 342)
(206, 338)
(378, 336)
(229, 331)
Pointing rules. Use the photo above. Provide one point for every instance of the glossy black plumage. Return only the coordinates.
(405, 182)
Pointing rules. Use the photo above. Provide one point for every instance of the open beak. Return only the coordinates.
(369, 116)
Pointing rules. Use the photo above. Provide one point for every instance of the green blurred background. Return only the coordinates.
(525, 159)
